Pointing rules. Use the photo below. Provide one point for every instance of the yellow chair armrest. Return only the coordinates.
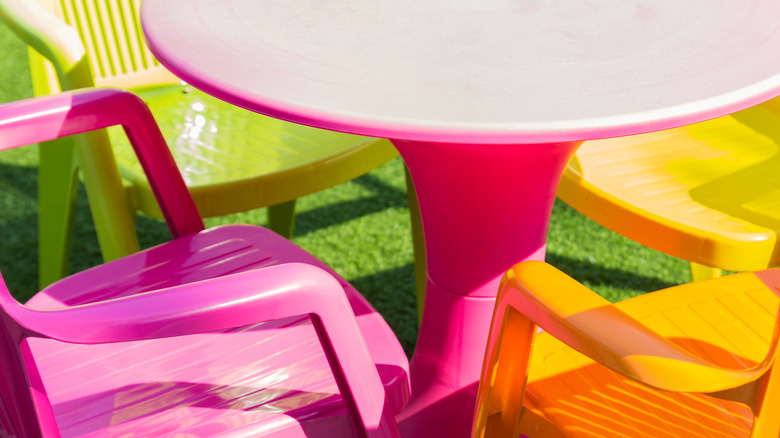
(588, 323)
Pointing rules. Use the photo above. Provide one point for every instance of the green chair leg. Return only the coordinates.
(57, 184)
(281, 218)
(112, 214)
(418, 243)
(701, 272)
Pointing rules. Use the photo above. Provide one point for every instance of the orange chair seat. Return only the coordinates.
(585, 399)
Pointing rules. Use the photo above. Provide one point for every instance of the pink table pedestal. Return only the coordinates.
(484, 208)
(485, 100)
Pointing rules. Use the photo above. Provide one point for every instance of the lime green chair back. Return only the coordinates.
(232, 160)
(111, 36)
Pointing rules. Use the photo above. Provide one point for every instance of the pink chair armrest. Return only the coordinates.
(234, 301)
(74, 112)
(216, 304)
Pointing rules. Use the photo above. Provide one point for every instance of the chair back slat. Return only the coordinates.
(112, 37)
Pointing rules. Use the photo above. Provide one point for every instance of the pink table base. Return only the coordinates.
(485, 208)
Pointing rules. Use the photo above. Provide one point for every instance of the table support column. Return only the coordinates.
(484, 208)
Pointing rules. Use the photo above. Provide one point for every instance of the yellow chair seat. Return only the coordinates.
(708, 193)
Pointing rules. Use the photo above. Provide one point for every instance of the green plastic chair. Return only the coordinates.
(232, 160)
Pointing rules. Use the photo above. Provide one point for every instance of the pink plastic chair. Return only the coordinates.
(229, 330)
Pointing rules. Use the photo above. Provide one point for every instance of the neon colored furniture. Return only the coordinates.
(706, 193)
(232, 160)
(691, 360)
(485, 125)
(228, 330)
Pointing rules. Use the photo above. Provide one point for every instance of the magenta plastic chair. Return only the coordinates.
(230, 330)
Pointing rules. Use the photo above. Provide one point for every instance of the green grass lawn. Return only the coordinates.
(360, 228)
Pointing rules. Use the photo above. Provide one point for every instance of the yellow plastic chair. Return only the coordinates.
(708, 193)
(688, 361)
(232, 160)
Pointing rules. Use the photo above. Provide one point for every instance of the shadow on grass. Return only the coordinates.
(19, 224)
(19, 221)
(594, 275)
(384, 197)
(392, 294)
(376, 185)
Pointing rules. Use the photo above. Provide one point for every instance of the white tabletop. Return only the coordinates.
(475, 71)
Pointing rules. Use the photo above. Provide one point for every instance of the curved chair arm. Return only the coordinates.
(535, 293)
(250, 297)
(74, 112)
(245, 298)
(583, 320)
(44, 32)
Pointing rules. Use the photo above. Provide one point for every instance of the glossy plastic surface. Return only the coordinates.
(231, 159)
(692, 360)
(474, 226)
(706, 193)
(486, 101)
(540, 71)
(173, 339)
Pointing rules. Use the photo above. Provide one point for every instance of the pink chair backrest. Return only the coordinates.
(36, 120)
(282, 291)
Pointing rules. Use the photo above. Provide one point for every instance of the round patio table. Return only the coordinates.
(486, 100)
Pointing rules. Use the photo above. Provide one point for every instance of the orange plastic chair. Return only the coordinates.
(706, 193)
(230, 331)
(688, 361)
(231, 159)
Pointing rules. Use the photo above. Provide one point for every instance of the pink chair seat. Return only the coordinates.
(263, 379)
(231, 331)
